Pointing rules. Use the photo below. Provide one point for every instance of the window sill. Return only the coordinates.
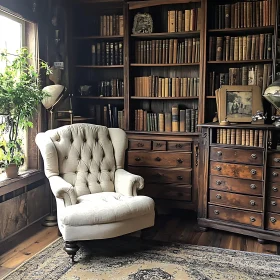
(24, 178)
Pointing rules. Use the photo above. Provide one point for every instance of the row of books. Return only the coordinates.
(176, 121)
(251, 47)
(244, 137)
(111, 88)
(168, 51)
(245, 14)
(107, 53)
(154, 86)
(187, 20)
(111, 25)
(110, 116)
(257, 75)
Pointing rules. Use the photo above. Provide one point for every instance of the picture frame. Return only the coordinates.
(237, 104)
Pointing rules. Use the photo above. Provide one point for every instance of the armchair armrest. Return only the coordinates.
(127, 183)
(64, 190)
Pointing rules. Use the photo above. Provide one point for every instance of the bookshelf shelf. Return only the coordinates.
(164, 98)
(240, 61)
(98, 37)
(211, 97)
(99, 66)
(247, 30)
(101, 97)
(167, 35)
(164, 133)
(164, 65)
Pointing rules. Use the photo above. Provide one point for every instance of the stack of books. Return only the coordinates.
(111, 88)
(111, 25)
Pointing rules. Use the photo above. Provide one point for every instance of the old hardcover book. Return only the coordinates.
(193, 49)
(257, 14)
(199, 19)
(269, 46)
(228, 136)
(121, 53)
(253, 50)
(188, 120)
(243, 137)
(251, 133)
(260, 138)
(219, 49)
(249, 47)
(240, 45)
(262, 39)
(175, 48)
(193, 120)
(227, 48)
(236, 48)
(187, 20)
(224, 136)
(189, 50)
(180, 17)
(173, 90)
(231, 50)
(232, 15)
(121, 26)
(161, 122)
(247, 131)
(221, 136)
(105, 116)
(218, 136)
(172, 21)
(265, 77)
(256, 138)
(257, 49)
(182, 121)
(167, 122)
(227, 16)
(192, 27)
(233, 136)
(238, 137)
(245, 77)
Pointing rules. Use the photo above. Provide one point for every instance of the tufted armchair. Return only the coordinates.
(96, 198)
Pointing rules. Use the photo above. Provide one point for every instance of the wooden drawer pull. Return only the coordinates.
(252, 219)
(219, 153)
(275, 189)
(158, 159)
(137, 159)
(273, 220)
(253, 156)
(216, 212)
(179, 177)
(253, 186)
(180, 160)
(179, 146)
(218, 196)
(218, 168)
(252, 202)
(277, 160)
(218, 182)
(253, 172)
(140, 145)
(274, 174)
(273, 203)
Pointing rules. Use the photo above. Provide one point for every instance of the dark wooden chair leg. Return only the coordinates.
(71, 248)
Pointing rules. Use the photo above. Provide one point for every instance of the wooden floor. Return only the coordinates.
(176, 227)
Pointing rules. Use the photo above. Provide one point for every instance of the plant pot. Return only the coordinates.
(12, 171)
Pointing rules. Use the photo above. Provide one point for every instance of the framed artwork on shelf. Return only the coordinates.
(237, 104)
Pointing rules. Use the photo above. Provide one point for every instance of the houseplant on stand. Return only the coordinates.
(20, 95)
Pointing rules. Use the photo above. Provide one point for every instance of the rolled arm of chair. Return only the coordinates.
(127, 183)
(64, 190)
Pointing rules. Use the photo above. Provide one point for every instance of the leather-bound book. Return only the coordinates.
(251, 137)
(240, 45)
(121, 53)
(256, 138)
(244, 75)
(189, 50)
(107, 56)
(179, 25)
(157, 52)
(261, 14)
(249, 47)
(101, 26)
(167, 122)
(112, 53)
(249, 12)
(257, 14)
(166, 87)
(228, 136)
(232, 15)
(163, 52)
(236, 48)
(219, 49)
(253, 14)
(185, 87)
(121, 25)
(265, 46)
(218, 136)
(224, 50)
(269, 46)
(227, 48)
(159, 87)
(236, 15)
(224, 136)
(169, 87)
(233, 137)
(220, 17)
(247, 131)
(148, 54)
(231, 50)
(173, 90)
(260, 138)
(188, 120)
(141, 120)
(187, 20)
(177, 87)
(116, 52)
(253, 50)
(238, 137)
(117, 22)
(193, 120)
(193, 49)
(194, 86)
(161, 122)
(211, 49)
(257, 49)
(171, 46)
(192, 16)
(262, 39)
(163, 87)
(241, 15)
(175, 48)
(160, 51)
(105, 116)
(153, 50)
(196, 121)
(227, 16)
(145, 119)
(199, 19)
(172, 21)
(166, 51)
(221, 136)
(182, 125)
(181, 87)
(110, 29)
(243, 137)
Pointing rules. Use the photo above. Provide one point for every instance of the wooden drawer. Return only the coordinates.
(168, 176)
(140, 144)
(236, 155)
(179, 146)
(236, 185)
(274, 159)
(273, 205)
(273, 174)
(168, 192)
(273, 221)
(159, 159)
(159, 145)
(233, 215)
(236, 170)
(240, 201)
(273, 189)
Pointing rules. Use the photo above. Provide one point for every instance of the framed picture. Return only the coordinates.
(238, 104)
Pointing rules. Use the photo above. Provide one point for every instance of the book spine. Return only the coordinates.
(167, 122)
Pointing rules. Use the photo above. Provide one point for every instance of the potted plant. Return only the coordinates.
(20, 95)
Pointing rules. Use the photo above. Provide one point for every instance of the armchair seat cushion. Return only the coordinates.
(106, 207)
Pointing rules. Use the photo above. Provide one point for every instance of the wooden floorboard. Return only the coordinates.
(174, 227)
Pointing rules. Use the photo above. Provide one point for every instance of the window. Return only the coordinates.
(12, 38)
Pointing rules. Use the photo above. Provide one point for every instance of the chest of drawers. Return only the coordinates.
(239, 186)
(169, 167)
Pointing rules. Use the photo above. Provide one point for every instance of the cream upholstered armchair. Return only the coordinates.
(96, 198)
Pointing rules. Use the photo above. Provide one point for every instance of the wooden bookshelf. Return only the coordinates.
(164, 65)
(99, 66)
(241, 61)
(166, 35)
(101, 97)
(113, 37)
(246, 30)
(164, 98)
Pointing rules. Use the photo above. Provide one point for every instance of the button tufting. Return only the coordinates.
(98, 182)
(85, 140)
(66, 157)
(79, 157)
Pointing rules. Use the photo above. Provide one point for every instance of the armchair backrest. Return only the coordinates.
(84, 155)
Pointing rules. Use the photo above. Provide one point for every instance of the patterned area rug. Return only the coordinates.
(133, 259)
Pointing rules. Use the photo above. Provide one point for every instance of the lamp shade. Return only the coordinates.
(55, 93)
(272, 94)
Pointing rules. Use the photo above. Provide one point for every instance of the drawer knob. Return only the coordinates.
(218, 196)
(253, 172)
(274, 174)
(218, 182)
(252, 202)
(252, 219)
(273, 203)
(159, 145)
(159, 175)
(218, 168)
(138, 159)
(216, 212)
(277, 160)
(140, 145)
(219, 153)
(179, 177)
(179, 146)
(253, 156)
(253, 186)
(275, 189)
(179, 160)
(273, 220)
(158, 159)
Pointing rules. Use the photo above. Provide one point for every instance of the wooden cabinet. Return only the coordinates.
(239, 186)
(168, 165)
